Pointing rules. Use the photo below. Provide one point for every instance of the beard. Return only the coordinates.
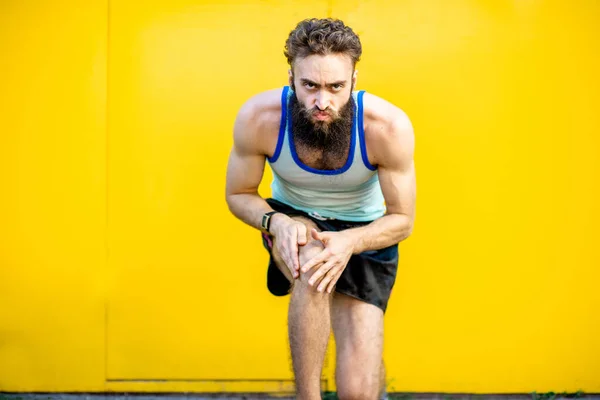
(331, 136)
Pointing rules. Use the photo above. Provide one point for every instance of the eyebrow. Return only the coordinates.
(304, 80)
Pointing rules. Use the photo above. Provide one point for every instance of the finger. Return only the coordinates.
(327, 279)
(288, 259)
(301, 234)
(316, 234)
(288, 264)
(295, 263)
(294, 251)
(293, 271)
(320, 273)
(333, 282)
(318, 259)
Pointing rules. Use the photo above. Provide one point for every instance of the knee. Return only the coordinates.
(305, 254)
(301, 286)
(309, 250)
(359, 388)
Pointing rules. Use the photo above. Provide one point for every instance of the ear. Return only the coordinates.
(354, 76)
(291, 78)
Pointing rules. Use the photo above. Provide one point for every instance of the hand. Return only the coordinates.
(332, 261)
(289, 234)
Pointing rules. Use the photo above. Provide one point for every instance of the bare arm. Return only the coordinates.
(245, 170)
(392, 144)
(396, 170)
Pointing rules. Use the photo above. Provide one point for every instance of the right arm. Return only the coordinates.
(245, 171)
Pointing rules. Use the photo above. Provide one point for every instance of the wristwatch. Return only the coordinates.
(266, 220)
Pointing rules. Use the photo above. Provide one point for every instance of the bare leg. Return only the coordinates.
(382, 385)
(358, 330)
(308, 324)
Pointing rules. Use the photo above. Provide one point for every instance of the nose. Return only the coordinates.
(322, 100)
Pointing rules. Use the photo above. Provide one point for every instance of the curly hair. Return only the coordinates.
(322, 36)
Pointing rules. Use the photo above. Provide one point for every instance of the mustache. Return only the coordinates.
(309, 112)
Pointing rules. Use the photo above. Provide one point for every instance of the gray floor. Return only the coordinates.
(327, 396)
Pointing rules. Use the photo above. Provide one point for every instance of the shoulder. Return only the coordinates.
(388, 131)
(257, 121)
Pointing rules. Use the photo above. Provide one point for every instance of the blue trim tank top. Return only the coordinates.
(350, 193)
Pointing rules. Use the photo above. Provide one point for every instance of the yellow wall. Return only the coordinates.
(122, 270)
(52, 195)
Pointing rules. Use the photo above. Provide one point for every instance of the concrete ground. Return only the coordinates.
(326, 396)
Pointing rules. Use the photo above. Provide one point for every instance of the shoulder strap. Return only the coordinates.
(282, 124)
(361, 132)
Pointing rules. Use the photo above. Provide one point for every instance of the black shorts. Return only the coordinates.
(369, 276)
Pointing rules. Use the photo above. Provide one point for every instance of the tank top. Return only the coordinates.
(350, 193)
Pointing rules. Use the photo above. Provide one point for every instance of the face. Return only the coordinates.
(323, 85)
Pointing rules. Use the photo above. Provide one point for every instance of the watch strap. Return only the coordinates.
(266, 220)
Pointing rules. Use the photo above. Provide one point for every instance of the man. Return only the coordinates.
(343, 198)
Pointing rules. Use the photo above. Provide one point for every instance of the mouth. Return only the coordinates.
(321, 115)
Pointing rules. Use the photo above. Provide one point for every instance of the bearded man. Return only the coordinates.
(343, 198)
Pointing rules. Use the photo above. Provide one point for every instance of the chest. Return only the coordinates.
(326, 158)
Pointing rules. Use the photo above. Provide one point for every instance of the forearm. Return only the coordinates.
(248, 207)
(383, 232)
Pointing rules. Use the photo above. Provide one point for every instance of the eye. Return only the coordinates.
(337, 86)
(308, 85)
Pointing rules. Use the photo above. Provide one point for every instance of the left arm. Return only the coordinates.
(396, 170)
(393, 149)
